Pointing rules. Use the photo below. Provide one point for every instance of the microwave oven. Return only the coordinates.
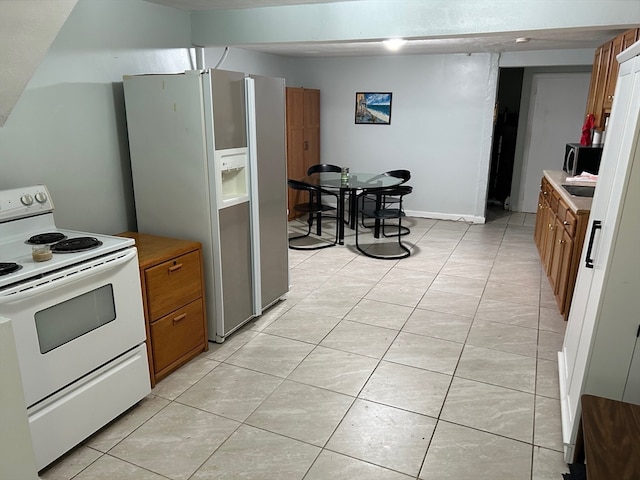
(578, 159)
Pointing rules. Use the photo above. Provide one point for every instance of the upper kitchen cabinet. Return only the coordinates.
(618, 44)
(303, 134)
(604, 75)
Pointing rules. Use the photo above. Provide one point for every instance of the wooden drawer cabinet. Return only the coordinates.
(559, 234)
(175, 334)
(173, 296)
(174, 282)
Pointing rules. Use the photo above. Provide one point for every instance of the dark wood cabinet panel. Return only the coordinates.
(303, 134)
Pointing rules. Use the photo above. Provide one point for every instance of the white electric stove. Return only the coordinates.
(77, 318)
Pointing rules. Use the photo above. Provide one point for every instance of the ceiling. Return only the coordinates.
(232, 4)
(495, 43)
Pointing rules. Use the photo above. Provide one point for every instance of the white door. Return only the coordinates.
(556, 116)
(587, 304)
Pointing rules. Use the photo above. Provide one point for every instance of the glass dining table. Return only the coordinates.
(354, 182)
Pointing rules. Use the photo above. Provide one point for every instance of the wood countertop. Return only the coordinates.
(611, 432)
(151, 248)
(578, 205)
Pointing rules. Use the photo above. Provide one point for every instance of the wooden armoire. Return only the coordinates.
(303, 135)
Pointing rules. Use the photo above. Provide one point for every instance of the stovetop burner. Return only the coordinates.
(44, 238)
(9, 267)
(78, 244)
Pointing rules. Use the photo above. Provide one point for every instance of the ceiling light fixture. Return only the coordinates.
(394, 43)
(523, 40)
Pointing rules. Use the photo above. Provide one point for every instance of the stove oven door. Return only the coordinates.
(74, 321)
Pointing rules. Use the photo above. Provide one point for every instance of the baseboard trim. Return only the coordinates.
(446, 216)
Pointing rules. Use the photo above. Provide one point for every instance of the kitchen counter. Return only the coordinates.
(577, 204)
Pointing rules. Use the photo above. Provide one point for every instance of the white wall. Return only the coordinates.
(239, 60)
(437, 101)
(441, 124)
(565, 127)
(440, 130)
(68, 129)
(556, 115)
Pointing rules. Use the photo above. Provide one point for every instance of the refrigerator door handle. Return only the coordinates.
(254, 202)
(597, 225)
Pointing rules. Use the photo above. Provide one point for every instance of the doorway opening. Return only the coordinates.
(505, 128)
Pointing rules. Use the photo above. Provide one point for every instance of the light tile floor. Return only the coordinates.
(438, 366)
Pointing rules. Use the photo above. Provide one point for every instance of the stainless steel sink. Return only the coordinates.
(580, 190)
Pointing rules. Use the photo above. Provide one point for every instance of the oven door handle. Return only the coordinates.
(72, 276)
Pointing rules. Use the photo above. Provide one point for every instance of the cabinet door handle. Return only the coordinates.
(560, 241)
(565, 223)
(597, 225)
(175, 268)
(179, 318)
(306, 145)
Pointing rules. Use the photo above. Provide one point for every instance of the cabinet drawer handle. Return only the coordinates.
(179, 318)
(597, 225)
(175, 268)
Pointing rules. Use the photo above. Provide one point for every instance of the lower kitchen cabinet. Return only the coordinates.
(173, 297)
(561, 223)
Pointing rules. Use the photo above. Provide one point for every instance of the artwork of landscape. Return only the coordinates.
(373, 108)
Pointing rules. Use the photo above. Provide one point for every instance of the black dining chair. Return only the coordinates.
(326, 167)
(323, 167)
(381, 199)
(312, 208)
(385, 211)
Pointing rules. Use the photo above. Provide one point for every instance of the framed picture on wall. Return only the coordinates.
(373, 108)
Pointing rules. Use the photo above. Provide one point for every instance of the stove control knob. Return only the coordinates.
(26, 199)
(41, 197)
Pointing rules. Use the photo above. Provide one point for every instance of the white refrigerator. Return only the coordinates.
(208, 159)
